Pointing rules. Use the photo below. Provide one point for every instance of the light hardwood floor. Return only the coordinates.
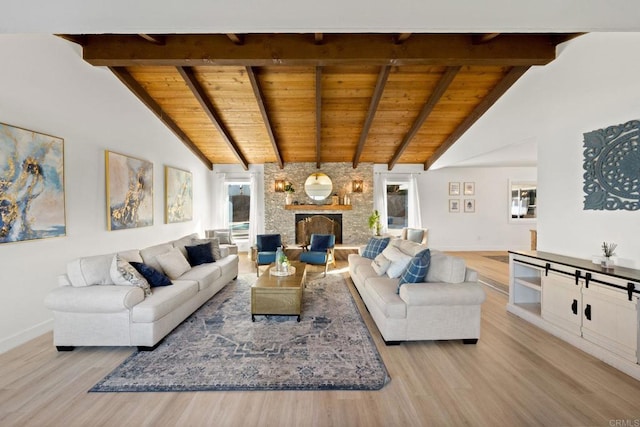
(516, 375)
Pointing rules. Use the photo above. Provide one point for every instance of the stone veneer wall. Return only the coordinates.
(354, 222)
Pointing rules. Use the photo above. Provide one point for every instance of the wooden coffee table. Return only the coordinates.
(281, 295)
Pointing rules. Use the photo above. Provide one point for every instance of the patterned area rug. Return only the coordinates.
(219, 348)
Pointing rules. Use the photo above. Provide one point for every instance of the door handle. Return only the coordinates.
(587, 312)
(574, 306)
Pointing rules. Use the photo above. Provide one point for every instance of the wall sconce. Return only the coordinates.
(279, 186)
(357, 186)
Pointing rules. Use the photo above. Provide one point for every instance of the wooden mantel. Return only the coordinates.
(317, 207)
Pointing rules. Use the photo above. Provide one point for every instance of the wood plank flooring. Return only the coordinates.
(517, 375)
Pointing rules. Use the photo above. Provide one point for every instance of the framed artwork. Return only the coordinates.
(454, 205)
(454, 188)
(178, 191)
(32, 204)
(129, 191)
(469, 205)
(469, 188)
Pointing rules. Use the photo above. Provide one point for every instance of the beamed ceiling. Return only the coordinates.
(261, 98)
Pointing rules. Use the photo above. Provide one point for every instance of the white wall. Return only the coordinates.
(45, 86)
(489, 227)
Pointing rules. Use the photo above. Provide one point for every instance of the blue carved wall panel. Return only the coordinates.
(612, 168)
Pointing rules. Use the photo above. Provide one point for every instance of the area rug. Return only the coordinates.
(220, 348)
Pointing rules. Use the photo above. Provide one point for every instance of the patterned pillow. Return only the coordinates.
(375, 247)
(153, 276)
(124, 274)
(417, 269)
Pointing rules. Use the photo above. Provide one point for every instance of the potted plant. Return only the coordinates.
(288, 188)
(608, 249)
(374, 222)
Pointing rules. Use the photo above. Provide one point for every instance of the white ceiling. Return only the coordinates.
(482, 145)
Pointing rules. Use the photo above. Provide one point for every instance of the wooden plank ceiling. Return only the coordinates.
(260, 98)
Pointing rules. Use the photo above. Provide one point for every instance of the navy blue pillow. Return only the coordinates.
(153, 276)
(320, 242)
(199, 254)
(375, 247)
(269, 243)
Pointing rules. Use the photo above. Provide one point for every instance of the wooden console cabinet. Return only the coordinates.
(592, 308)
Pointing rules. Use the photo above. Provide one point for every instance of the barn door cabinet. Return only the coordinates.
(592, 308)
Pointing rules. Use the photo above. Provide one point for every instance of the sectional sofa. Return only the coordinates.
(102, 302)
(445, 305)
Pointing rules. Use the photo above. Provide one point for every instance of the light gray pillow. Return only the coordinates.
(380, 264)
(415, 235)
(124, 274)
(399, 261)
(173, 263)
(223, 236)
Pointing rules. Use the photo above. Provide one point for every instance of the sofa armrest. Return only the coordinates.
(420, 294)
(94, 299)
(361, 249)
(471, 275)
(224, 251)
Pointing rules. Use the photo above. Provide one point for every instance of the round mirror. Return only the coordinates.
(318, 186)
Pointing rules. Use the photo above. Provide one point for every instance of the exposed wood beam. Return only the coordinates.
(190, 79)
(257, 91)
(400, 38)
(484, 38)
(383, 75)
(236, 39)
(159, 40)
(318, 115)
(318, 38)
(77, 39)
(127, 79)
(341, 49)
(509, 79)
(444, 82)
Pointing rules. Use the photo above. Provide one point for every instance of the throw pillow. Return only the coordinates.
(269, 243)
(399, 261)
(417, 269)
(320, 242)
(199, 254)
(380, 264)
(375, 246)
(223, 236)
(153, 276)
(215, 246)
(123, 274)
(415, 234)
(173, 263)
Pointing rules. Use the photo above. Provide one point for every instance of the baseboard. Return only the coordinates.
(22, 337)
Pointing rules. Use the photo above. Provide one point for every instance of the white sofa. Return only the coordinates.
(444, 307)
(90, 310)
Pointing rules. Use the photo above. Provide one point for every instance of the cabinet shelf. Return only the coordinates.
(529, 282)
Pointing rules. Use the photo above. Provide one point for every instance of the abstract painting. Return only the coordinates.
(32, 204)
(612, 168)
(178, 189)
(129, 191)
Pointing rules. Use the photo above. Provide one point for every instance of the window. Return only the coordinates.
(522, 201)
(239, 209)
(397, 205)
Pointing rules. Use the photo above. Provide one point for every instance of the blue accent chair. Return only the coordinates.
(266, 245)
(320, 251)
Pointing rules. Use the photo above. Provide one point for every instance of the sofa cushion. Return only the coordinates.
(399, 261)
(131, 255)
(182, 242)
(153, 276)
(149, 255)
(173, 263)
(124, 274)
(408, 247)
(417, 269)
(200, 254)
(164, 301)
(446, 268)
(380, 264)
(382, 292)
(375, 246)
(204, 274)
(88, 271)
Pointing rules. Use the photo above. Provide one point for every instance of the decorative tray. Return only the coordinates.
(290, 271)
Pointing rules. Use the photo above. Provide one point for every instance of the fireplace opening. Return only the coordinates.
(308, 224)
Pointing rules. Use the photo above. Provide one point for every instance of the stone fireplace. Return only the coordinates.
(308, 224)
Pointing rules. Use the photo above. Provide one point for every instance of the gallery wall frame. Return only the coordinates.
(454, 188)
(469, 188)
(129, 188)
(32, 193)
(178, 191)
(454, 205)
(469, 205)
